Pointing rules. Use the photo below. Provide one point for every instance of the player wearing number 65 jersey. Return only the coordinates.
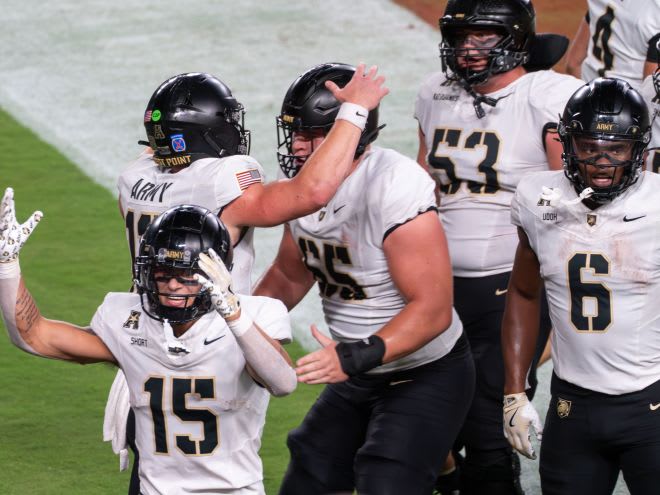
(591, 236)
(398, 367)
(199, 360)
(483, 124)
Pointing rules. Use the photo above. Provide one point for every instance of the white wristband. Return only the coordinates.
(240, 325)
(355, 114)
(10, 269)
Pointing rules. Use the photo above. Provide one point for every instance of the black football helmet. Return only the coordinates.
(309, 106)
(605, 109)
(174, 240)
(515, 20)
(193, 116)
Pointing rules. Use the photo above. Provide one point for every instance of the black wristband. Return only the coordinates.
(363, 355)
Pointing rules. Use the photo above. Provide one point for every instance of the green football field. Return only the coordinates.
(51, 413)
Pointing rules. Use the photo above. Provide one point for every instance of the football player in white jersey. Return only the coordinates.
(590, 235)
(616, 38)
(650, 90)
(198, 154)
(398, 367)
(199, 360)
(484, 122)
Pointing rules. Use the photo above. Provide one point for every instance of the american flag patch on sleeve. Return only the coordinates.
(247, 178)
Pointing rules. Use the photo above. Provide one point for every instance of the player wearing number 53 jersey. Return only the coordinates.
(483, 124)
(199, 360)
(591, 236)
(398, 368)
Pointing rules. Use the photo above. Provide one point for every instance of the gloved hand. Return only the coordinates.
(12, 234)
(519, 414)
(218, 283)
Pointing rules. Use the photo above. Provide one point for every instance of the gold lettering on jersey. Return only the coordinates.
(591, 219)
(563, 407)
(543, 202)
(550, 217)
(604, 126)
(133, 320)
(176, 161)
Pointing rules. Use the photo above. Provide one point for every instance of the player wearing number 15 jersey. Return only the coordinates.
(483, 124)
(199, 360)
(398, 367)
(591, 235)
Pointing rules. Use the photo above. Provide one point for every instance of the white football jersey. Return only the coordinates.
(145, 192)
(478, 162)
(602, 276)
(199, 416)
(619, 35)
(653, 101)
(342, 245)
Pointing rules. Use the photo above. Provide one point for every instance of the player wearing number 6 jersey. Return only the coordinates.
(199, 360)
(590, 234)
(483, 124)
(398, 367)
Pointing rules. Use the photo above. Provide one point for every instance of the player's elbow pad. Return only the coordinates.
(288, 384)
(273, 370)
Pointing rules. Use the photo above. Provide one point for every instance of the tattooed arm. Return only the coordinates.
(27, 328)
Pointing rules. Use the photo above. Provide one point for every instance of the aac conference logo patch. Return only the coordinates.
(178, 143)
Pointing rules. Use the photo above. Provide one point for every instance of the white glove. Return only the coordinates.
(12, 234)
(519, 414)
(218, 284)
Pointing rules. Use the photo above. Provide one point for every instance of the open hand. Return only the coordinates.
(12, 234)
(321, 366)
(365, 88)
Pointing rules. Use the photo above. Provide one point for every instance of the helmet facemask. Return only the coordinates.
(607, 166)
(151, 272)
(502, 56)
(287, 126)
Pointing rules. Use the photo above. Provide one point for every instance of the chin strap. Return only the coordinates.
(553, 196)
(479, 99)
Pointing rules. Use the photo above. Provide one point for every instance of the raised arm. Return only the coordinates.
(26, 326)
(267, 361)
(283, 200)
